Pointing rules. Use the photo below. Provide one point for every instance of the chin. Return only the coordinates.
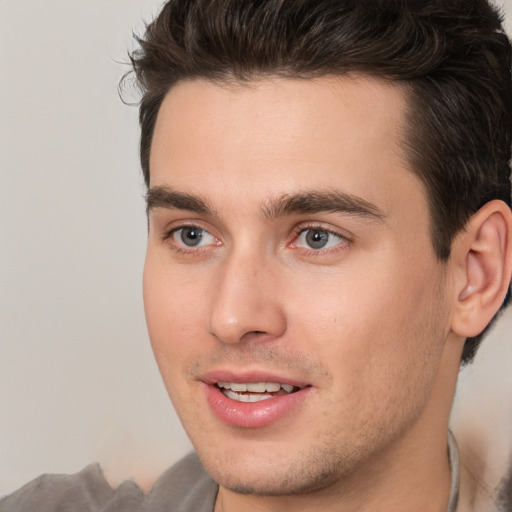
(270, 472)
(286, 483)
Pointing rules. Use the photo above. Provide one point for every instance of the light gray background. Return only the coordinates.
(77, 378)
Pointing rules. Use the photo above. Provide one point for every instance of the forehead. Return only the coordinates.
(289, 134)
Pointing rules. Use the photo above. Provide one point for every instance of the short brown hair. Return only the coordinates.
(452, 55)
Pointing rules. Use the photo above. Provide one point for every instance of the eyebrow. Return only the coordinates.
(308, 202)
(165, 197)
(305, 202)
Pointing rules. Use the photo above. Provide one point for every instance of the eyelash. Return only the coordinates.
(298, 231)
(340, 246)
(183, 249)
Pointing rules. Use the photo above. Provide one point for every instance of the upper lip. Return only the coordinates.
(214, 376)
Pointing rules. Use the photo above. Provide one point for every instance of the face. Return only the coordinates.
(295, 305)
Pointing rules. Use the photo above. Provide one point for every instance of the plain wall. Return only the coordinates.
(77, 378)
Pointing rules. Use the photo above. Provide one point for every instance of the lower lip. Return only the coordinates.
(253, 414)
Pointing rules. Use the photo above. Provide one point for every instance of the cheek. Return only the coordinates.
(173, 314)
(372, 327)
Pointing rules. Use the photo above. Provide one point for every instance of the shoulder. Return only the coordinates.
(85, 491)
(505, 492)
(184, 487)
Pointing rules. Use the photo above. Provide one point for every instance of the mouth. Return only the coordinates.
(253, 399)
(251, 392)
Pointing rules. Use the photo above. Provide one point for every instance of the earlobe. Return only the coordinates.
(484, 254)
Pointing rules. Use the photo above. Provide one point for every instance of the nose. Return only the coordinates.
(246, 303)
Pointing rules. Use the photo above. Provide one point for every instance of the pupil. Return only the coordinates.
(191, 236)
(317, 239)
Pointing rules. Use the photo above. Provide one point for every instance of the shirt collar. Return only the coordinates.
(453, 455)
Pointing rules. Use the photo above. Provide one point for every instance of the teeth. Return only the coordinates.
(255, 387)
(246, 398)
(235, 386)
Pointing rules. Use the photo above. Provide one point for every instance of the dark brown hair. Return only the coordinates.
(452, 56)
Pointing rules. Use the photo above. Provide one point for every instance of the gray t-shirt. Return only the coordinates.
(185, 487)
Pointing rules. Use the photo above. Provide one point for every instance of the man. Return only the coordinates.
(329, 235)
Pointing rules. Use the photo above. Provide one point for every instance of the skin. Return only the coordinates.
(366, 321)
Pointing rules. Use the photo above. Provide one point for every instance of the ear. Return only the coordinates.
(483, 258)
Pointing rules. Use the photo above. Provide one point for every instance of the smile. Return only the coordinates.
(255, 391)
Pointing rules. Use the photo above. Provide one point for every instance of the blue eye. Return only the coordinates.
(192, 236)
(318, 239)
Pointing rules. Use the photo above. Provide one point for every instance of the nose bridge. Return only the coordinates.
(244, 301)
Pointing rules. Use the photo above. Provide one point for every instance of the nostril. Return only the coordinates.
(253, 335)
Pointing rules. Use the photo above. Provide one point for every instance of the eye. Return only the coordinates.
(317, 239)
(192, 236)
